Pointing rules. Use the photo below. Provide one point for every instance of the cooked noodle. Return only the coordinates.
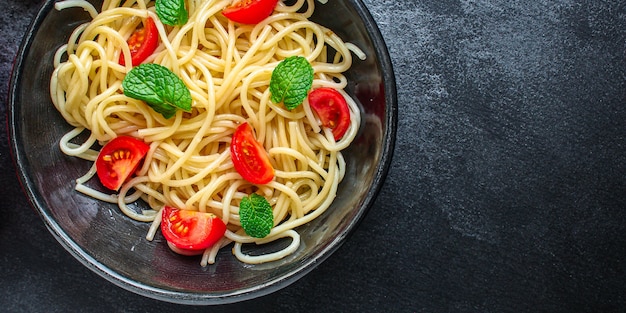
(227, 68)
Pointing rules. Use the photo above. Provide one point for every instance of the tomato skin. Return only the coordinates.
(332, 109)
(142, 43)
(191, 230)
(118, 160)
(250, 11)
(249, 157)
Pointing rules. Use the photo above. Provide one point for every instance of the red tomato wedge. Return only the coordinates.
(142, 42)
(249, 157)
(191, 230)
(332, 109)
(118, 160)
(249, 11)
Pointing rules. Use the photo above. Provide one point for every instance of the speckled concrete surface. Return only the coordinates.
(507, 192)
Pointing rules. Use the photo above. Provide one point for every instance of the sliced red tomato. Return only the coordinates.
(118, 160)
(142, 42)
(332, 109)
(249, 11)
(191, 230)
(249, 157)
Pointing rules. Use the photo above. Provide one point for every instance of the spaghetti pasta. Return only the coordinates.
(227, 69)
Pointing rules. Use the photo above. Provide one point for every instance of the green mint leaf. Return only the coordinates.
(291, 81)
(172, 12)
(255, 215)
(159, 87)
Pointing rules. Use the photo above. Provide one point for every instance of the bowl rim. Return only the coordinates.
(179, 297)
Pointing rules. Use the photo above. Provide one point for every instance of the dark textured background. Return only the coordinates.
(507, 192)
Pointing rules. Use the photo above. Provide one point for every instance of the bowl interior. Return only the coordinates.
(114, 246)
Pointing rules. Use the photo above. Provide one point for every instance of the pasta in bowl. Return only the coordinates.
(197, 140)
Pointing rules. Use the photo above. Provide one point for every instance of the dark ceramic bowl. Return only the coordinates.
(114, 246)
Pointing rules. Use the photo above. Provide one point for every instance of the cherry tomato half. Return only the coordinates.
(118, 160)
(142, 42)
(332, 109)
(191, 230)
(249, 157)
(250, 11)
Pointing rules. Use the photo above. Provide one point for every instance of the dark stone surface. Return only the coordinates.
(507, 192)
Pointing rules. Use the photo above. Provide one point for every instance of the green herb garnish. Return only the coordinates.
(172, 12)
(291, 81)
(159, 87)
(255, 215)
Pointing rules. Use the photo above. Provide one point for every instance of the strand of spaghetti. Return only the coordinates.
(203, 195)
(142, 217)
(258, 259)
(282, 7)
(173, 196)
(195, 162)
(110, 16)
(110, 198)
(151, 192)
(75, 151)
(229, 78)
(227, 198)
(169, 51)
(332, 40)
(296, 204)
(75, 38)
(299, 156)
(291, 30)
(281, 208)
(88, 7)
(85, 178)
(302, 137)
(221, 205)
(203, 14)
(341, 166)
(210, 102)
(321, 208)
(99, 104)
(208, 189)
(111, 4)
(210, 168)
(164, 177)
(239, 236)
(208, 257)
(356, 50)
(95, 194)
(154, 226)
(298, 174)
(74, 97)
(57, 94)
(289, 40)
(180, 34)
(143, 170)
(166, 131)
(309, 197)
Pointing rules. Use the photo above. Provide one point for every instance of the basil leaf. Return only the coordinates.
(159, 87)
(255, 215)
(172, 12)
(291, 81)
